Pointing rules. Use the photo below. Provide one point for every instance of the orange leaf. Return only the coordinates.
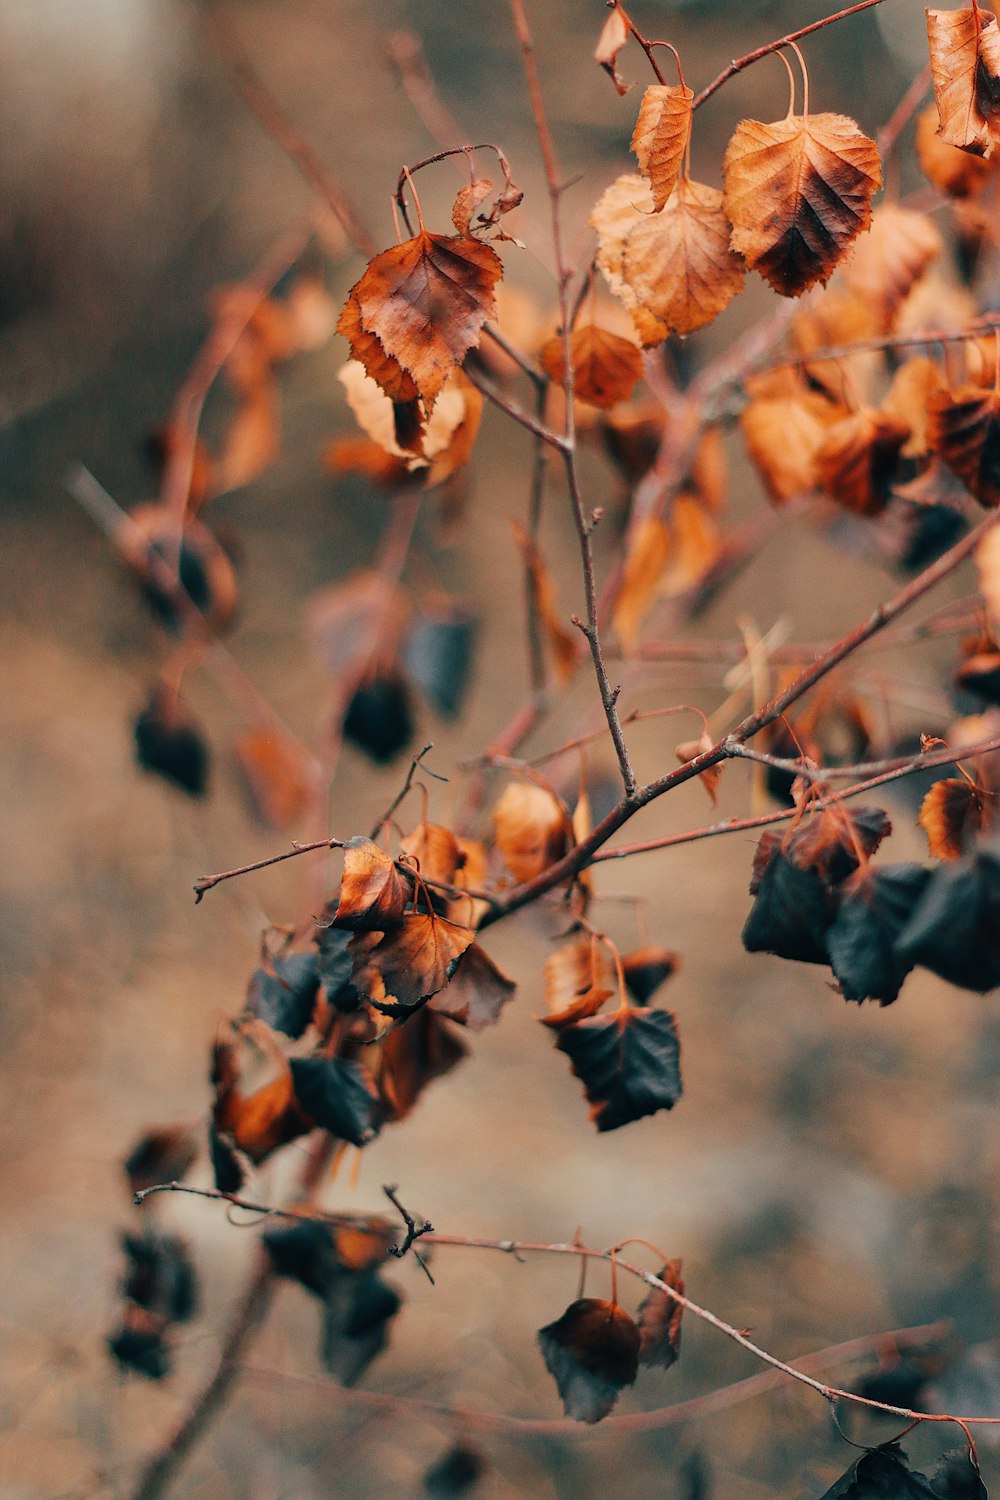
(988, 563)
(913, 384)
(858, 457)
(467, 200)
(592, 1352)
(577, 982)
(399, 969)
(373, 893)
(799, 192)
(661, 136)
(254, 1096)
(951, 815)
(562, 641)
(361, 455)
(957, 174)
(965, 61)
(253, 440)
(606, 367)
(710, 777)
(964, 430)
(434, 850)
(532, 829)
(472, 873)
(477, 992)
(614, 35)
(889, 261)
(644, 564)
(783, 435)
(694, 543)
(278, 774)
(425, 302)
(413, 1056)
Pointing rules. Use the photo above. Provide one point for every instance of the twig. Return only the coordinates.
(412, 1232)
(904, 111)
(738, 64)
(206, 882)
(889, 341)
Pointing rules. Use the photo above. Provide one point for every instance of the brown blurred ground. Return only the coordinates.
(831, 1171)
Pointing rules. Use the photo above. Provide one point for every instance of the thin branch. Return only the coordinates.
(889, 341)
(738, 64)
(207, 882)
(903, 113)
(524, 419)
(407, 53)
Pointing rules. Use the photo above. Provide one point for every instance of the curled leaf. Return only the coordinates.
(661, 136)
(532, 829)
(373, 892)
(712, 775)
(606, 367)
(856, 461)
(660, 1320)
(646, 968)
(577, 982)
(964, 431)
(592, 1352)
(476, 993)
(951, 814)
(614, 35)
(397, 970)
(965, 61)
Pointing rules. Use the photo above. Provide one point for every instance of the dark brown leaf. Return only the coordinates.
(951, 814)
(660, 1320)
(373, 892)
(646, 968)
(476, 993)
(339, 1095)
(964, 430)
(170, 742)
(955, 929)
(592, 1352)
(399, 969)
(628, 1063)
(285, 994)
(413, 1055)
(163, 1154)
(875, 905)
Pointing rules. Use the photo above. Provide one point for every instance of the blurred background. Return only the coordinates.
(831, 1171)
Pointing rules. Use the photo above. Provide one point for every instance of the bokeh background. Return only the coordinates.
(831, 1171)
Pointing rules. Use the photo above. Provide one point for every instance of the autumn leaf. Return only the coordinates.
(434, 851)
(628, 1063)
(965, 62)
(169, 742)
(414, 1055)
(379, 718)
(791, 914)
(164, 1154)
(957, 174)
(660, 1320)
(399, 969)
(783, 435)
(438, 654)
(339, 1095)
(373, 892)
(476, 993)
(255, 1102)
(424, 302)
(531, 828)
(955, 929)
(661, 137)
(914, 383)
(357, 1313)
(592, 1352)
(875, 905)
(614, 35)
(563, 642)
(278, 775)
(798, 193)
(890, 259)
(253, 440)
(964, 431)
(712, 775)
(467, 200)
(606, 367)
(577, 982)
(646, 968)
(284, 994)
(159, 1274)
(951, 814)
(857, 459)
(884, 1473)
(645, 561)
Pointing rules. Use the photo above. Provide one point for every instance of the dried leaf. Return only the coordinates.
(284, 995)
(373, 892)
(339, 1095)
(472, 874)
(438, 655)
(205, 572)
(628, 1063)
(645, 562)
(476, 993)
(837, 317)
(434, 850)
(614, 35)
(857, 459)
(425, 302)
(467, 200)
(378, 719)
(164, 1154)
(160, 1275)
(875, 906)
(955, 929)
(606, 367)
(913, 384)
(646, 968)
(358, 1310)
(361, 455)
(891, 258)
(278, 775)
(951, 814)
(964, 430)
(254, 438)
(965, 60)
(678, 264)
(592, 1352)
(455, 1473)
(138, 1344)
(531, 829)
(710, 777)
(562, 640)
(414, 1055)
(660, 1320)
(695, 544)
(783, 436)
(170, 742)
(957, 174)
(798, 193)
(791, 914)
(578, 980)
(661, 137)
(399, 969)
(254, 1099)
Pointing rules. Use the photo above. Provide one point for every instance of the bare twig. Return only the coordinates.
(412, 1231)
(207, 882)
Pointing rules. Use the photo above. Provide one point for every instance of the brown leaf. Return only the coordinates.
(414, 1055)
(163, 1154)
(361, 455)
(661, 137)
(951, 814)
(592, 1352)
(646, 968)
(467, 200)
(373, 892)
(369, 352)
(471, 874)
(783, 435)
(278, 774)
(660, 1320)
(709, 778)
(563, 642)
(252, 443)
(477, 992)
(645, 561)
(531, 829)
(837, 317)
(614, 35)
(628, 1063)
(434, 850)
(964, 430)
(399, 969)
(606, 367)
(694, 544)
(965, 60)
(798, 193)
(913, 384)
(578, 980)
(425, 302)
(957, 174)
(890, 259)
(254, 1096)
(449, 452)
(857, 460)
(988, 563)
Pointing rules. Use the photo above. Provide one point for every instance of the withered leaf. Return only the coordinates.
(379, 720)
(857, 459)
(791, 914)
(352, 618)
(254, 1099)
(783, 435)
(578, 980)
(689, 750)
(875, 906)
(955, 929)
(678, 263)
(476, 993)
(798, 193)
(606, 367)
(254, 438)
(890, 259)
(964, 430)
(414, 1055)
(645, 561)
(614, 35)
(628, 1063)
(339, 1095)
(660, 1320)
(532, 829)
(912, 386)
(373, 892)
(358, 1310)
(965, 52)
(979, 673)
(138, 1345)
(661, 136)
(884, 1473)
(169, 742)
(455, 1472)
(434, 850)
(399, 969)
(315, 1254)
(438, 655)
(830, 842)
(957, 174)
(425, 302)
(646, 968)
(562, 641)
(592, 1352)
(285, 994)
(336, 963)
(205, 572)
(278, 776)
(951, 814)
(467, 200)
(163, 1154)
(159, 1274)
